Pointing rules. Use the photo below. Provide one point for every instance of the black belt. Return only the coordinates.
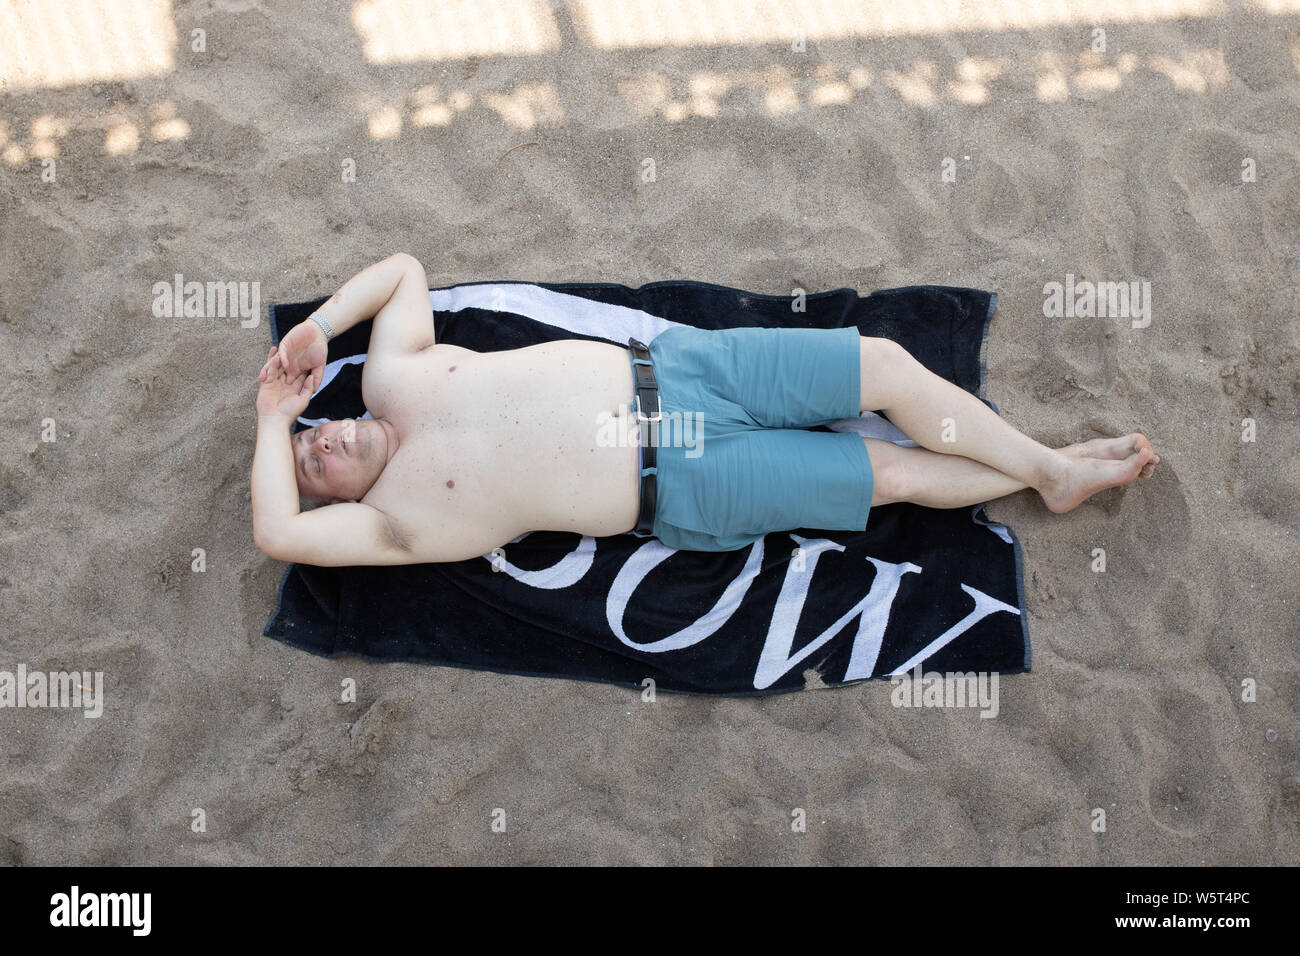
(648, 418)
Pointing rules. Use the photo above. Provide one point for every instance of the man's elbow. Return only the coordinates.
(269, 544)
(263, 545)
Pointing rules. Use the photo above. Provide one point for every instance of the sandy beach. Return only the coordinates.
(286, 145)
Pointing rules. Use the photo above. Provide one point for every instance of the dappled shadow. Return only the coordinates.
(425, 63)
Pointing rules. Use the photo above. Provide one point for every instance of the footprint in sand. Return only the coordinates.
(1144, 529)
(1181, 764)
(1206, 162)
(1207, 167)
(1000, 203)
(1281, 215)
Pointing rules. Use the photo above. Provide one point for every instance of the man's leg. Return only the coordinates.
(949, 420)
(924, 477)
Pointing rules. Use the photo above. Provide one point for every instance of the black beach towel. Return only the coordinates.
(942, 590)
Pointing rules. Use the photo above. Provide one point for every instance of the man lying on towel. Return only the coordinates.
(702, 438)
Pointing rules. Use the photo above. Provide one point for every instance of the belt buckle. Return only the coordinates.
(644, 419)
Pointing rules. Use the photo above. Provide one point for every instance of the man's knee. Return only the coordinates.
(888, 472)
(882, 362)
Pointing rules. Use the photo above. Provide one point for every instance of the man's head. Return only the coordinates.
(340, 460)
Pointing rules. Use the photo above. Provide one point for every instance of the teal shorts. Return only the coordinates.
(735, 458)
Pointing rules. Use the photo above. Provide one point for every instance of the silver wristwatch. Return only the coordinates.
(324, 326)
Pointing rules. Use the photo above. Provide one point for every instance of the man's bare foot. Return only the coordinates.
(1084, 477)
(1114, 449)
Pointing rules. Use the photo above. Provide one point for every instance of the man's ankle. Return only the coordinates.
(1052, 473)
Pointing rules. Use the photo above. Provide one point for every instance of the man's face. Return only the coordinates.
(340, 460)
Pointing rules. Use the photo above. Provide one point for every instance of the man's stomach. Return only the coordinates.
(576, 463)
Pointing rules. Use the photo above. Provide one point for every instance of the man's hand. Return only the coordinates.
(281, 395)
(303, 350)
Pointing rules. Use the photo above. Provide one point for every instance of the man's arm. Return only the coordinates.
(394, 292)
(349, 533)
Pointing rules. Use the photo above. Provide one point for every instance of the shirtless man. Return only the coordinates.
(467, 451)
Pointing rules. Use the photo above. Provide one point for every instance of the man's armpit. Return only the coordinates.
(395, 537)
